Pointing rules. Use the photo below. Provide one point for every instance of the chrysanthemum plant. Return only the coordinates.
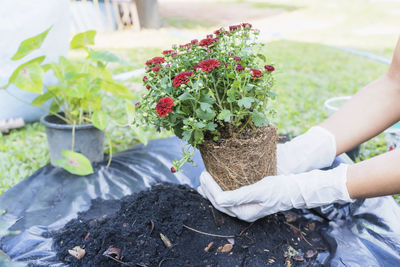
(200, 90)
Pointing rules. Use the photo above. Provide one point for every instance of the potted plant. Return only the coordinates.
(214, 94)
(76, 122)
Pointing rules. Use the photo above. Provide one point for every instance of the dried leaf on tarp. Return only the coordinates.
(166, 241)
(113, 252)
(206, 249)
(226, 248)
(77, 252)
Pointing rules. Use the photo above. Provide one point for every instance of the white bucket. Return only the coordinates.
(334, 103)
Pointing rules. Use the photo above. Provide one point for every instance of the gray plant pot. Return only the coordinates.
(89, 140)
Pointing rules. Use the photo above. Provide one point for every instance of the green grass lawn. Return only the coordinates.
(306, 75)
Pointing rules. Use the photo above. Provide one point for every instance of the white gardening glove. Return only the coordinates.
(315, 149)
(278, 193)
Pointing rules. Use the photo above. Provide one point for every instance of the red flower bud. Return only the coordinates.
(137, 104)
(269, 68)
(145, 78)
(237, 59)
(239, 67)
(156, 68)
(173, 170)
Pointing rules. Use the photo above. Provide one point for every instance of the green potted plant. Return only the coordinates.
(76, 123)
(214, 94)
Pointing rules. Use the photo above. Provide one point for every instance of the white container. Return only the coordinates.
(334, 103)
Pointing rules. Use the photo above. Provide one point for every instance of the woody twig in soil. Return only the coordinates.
(245, 229)
(302, 235)
(204, 233)
(213, 214)
(123, 263)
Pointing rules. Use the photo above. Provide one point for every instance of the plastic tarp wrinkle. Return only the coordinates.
(364, 233)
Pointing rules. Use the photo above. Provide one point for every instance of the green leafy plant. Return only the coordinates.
(208, 88)
(77, 97)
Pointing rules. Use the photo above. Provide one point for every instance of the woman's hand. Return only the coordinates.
(278, 193)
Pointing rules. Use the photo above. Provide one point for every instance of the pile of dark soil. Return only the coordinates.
(172, 225)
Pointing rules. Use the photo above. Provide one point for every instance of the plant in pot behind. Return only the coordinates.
(76, 120)
(214, 94)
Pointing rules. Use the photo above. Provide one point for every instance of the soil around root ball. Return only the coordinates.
(172, 225)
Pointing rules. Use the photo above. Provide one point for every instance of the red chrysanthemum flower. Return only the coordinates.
(269, 68)
(182, 78)
(174, 54)
(257, 73)
(234, 27)
(168, 52)
(164, 106)
(206, 42)
(239, 67)
(194, 41)
(237, 59)
(155, 60)
(245, 25)
(145, 78)
(210, 36)
(220, 31)
(156, 68)
(209, 64)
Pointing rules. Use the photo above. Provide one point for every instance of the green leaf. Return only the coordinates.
(262, 57)
(205, 107)
(43, 98)
(29, 78)
(205, 115)
(206, 98)
(211, 126)
(200, 125)
(83, 39)
(105, 56)
(30, 45)
(75, 163)
(185, 96)
(187, 135)
(54, 107)
(259, 118)
(246, 102)
(198, 136)
(99, 119)
(15, 73)
(231, 93)
(224, 115)
(117, 89)
(236, 84)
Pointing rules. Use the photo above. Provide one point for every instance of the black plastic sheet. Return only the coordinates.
(364, 233)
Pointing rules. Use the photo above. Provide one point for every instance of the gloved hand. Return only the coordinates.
(315, 149)
(278, 193)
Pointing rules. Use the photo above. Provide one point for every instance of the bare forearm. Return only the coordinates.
(370, 111)
(377, 176)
